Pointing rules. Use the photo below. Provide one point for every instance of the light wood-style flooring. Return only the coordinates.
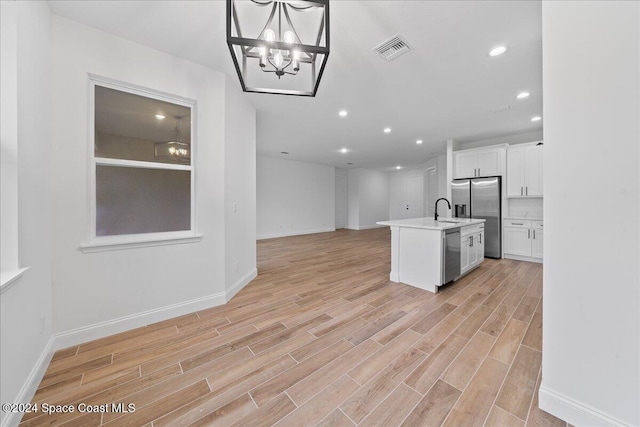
(322, 337)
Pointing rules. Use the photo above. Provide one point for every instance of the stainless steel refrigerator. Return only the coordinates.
(481, 198)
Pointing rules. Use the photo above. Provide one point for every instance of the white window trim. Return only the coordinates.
(128, 241)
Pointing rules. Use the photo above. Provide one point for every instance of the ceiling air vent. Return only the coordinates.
(392, 48)
(501, 109)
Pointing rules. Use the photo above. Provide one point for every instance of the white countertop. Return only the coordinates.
(430, 224)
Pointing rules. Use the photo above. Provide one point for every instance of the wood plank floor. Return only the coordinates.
(322, 337)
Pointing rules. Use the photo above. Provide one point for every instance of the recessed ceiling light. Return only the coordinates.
(343, 113)
(523, 95)
(419, 142)
(349, 163)
(284, 152)
(398, 167)
(536, 118)
(387, 130)
(344, 150)
(159, 116)
(498, 50)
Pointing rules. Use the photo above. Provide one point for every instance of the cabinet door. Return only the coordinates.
(533, 171)
(536, 242)
(489, 162)
(480, 246)
(473, 250)
(465, 164)
(517, 241)
(515, 172)
(464, 254)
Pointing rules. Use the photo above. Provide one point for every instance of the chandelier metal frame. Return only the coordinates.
(295, 53)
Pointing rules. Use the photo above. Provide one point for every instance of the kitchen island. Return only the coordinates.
(426, 253)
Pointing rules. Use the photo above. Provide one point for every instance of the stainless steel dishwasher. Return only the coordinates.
(451, 267)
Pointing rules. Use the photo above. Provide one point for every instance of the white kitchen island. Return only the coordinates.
(419, 250)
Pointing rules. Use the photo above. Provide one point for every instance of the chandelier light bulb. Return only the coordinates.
(269, 35)
(277, 59)
(296, 55)
(289, 37)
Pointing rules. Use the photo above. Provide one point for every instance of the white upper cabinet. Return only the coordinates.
(466, 164)
(476, 162)
(524, 171)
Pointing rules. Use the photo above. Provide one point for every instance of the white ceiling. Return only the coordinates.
(446, 88)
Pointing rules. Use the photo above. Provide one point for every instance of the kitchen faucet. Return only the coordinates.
(436, 214)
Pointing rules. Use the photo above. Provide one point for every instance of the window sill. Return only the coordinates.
(118, 243)
(9, 278)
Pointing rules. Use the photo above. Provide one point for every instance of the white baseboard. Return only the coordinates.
(137, 320)
(241, 283)
(294, 233)
(30, 386)
(367, 227)
(575, 413)
(523, 258)
(394, 277)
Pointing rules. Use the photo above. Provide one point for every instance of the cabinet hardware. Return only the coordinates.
(478, 171)
(526, 191)
(517, 223)
(521, 191)
(470, 241)
(529, 234)
(534, 234)
(480, 235)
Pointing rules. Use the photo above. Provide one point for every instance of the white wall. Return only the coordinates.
(100, 293)
(353, 203)
(341, 198)
(9, 137)
(368, 198)
(294, 197)
(591, 325)
(240, 188)
(26, 310)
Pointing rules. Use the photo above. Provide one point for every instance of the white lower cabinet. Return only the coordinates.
(538, 239)
(523, 238)
(471, 247)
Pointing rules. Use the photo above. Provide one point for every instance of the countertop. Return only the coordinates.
(430, 224)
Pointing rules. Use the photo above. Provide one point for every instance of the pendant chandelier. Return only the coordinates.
(174, 151)
(279, 46)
